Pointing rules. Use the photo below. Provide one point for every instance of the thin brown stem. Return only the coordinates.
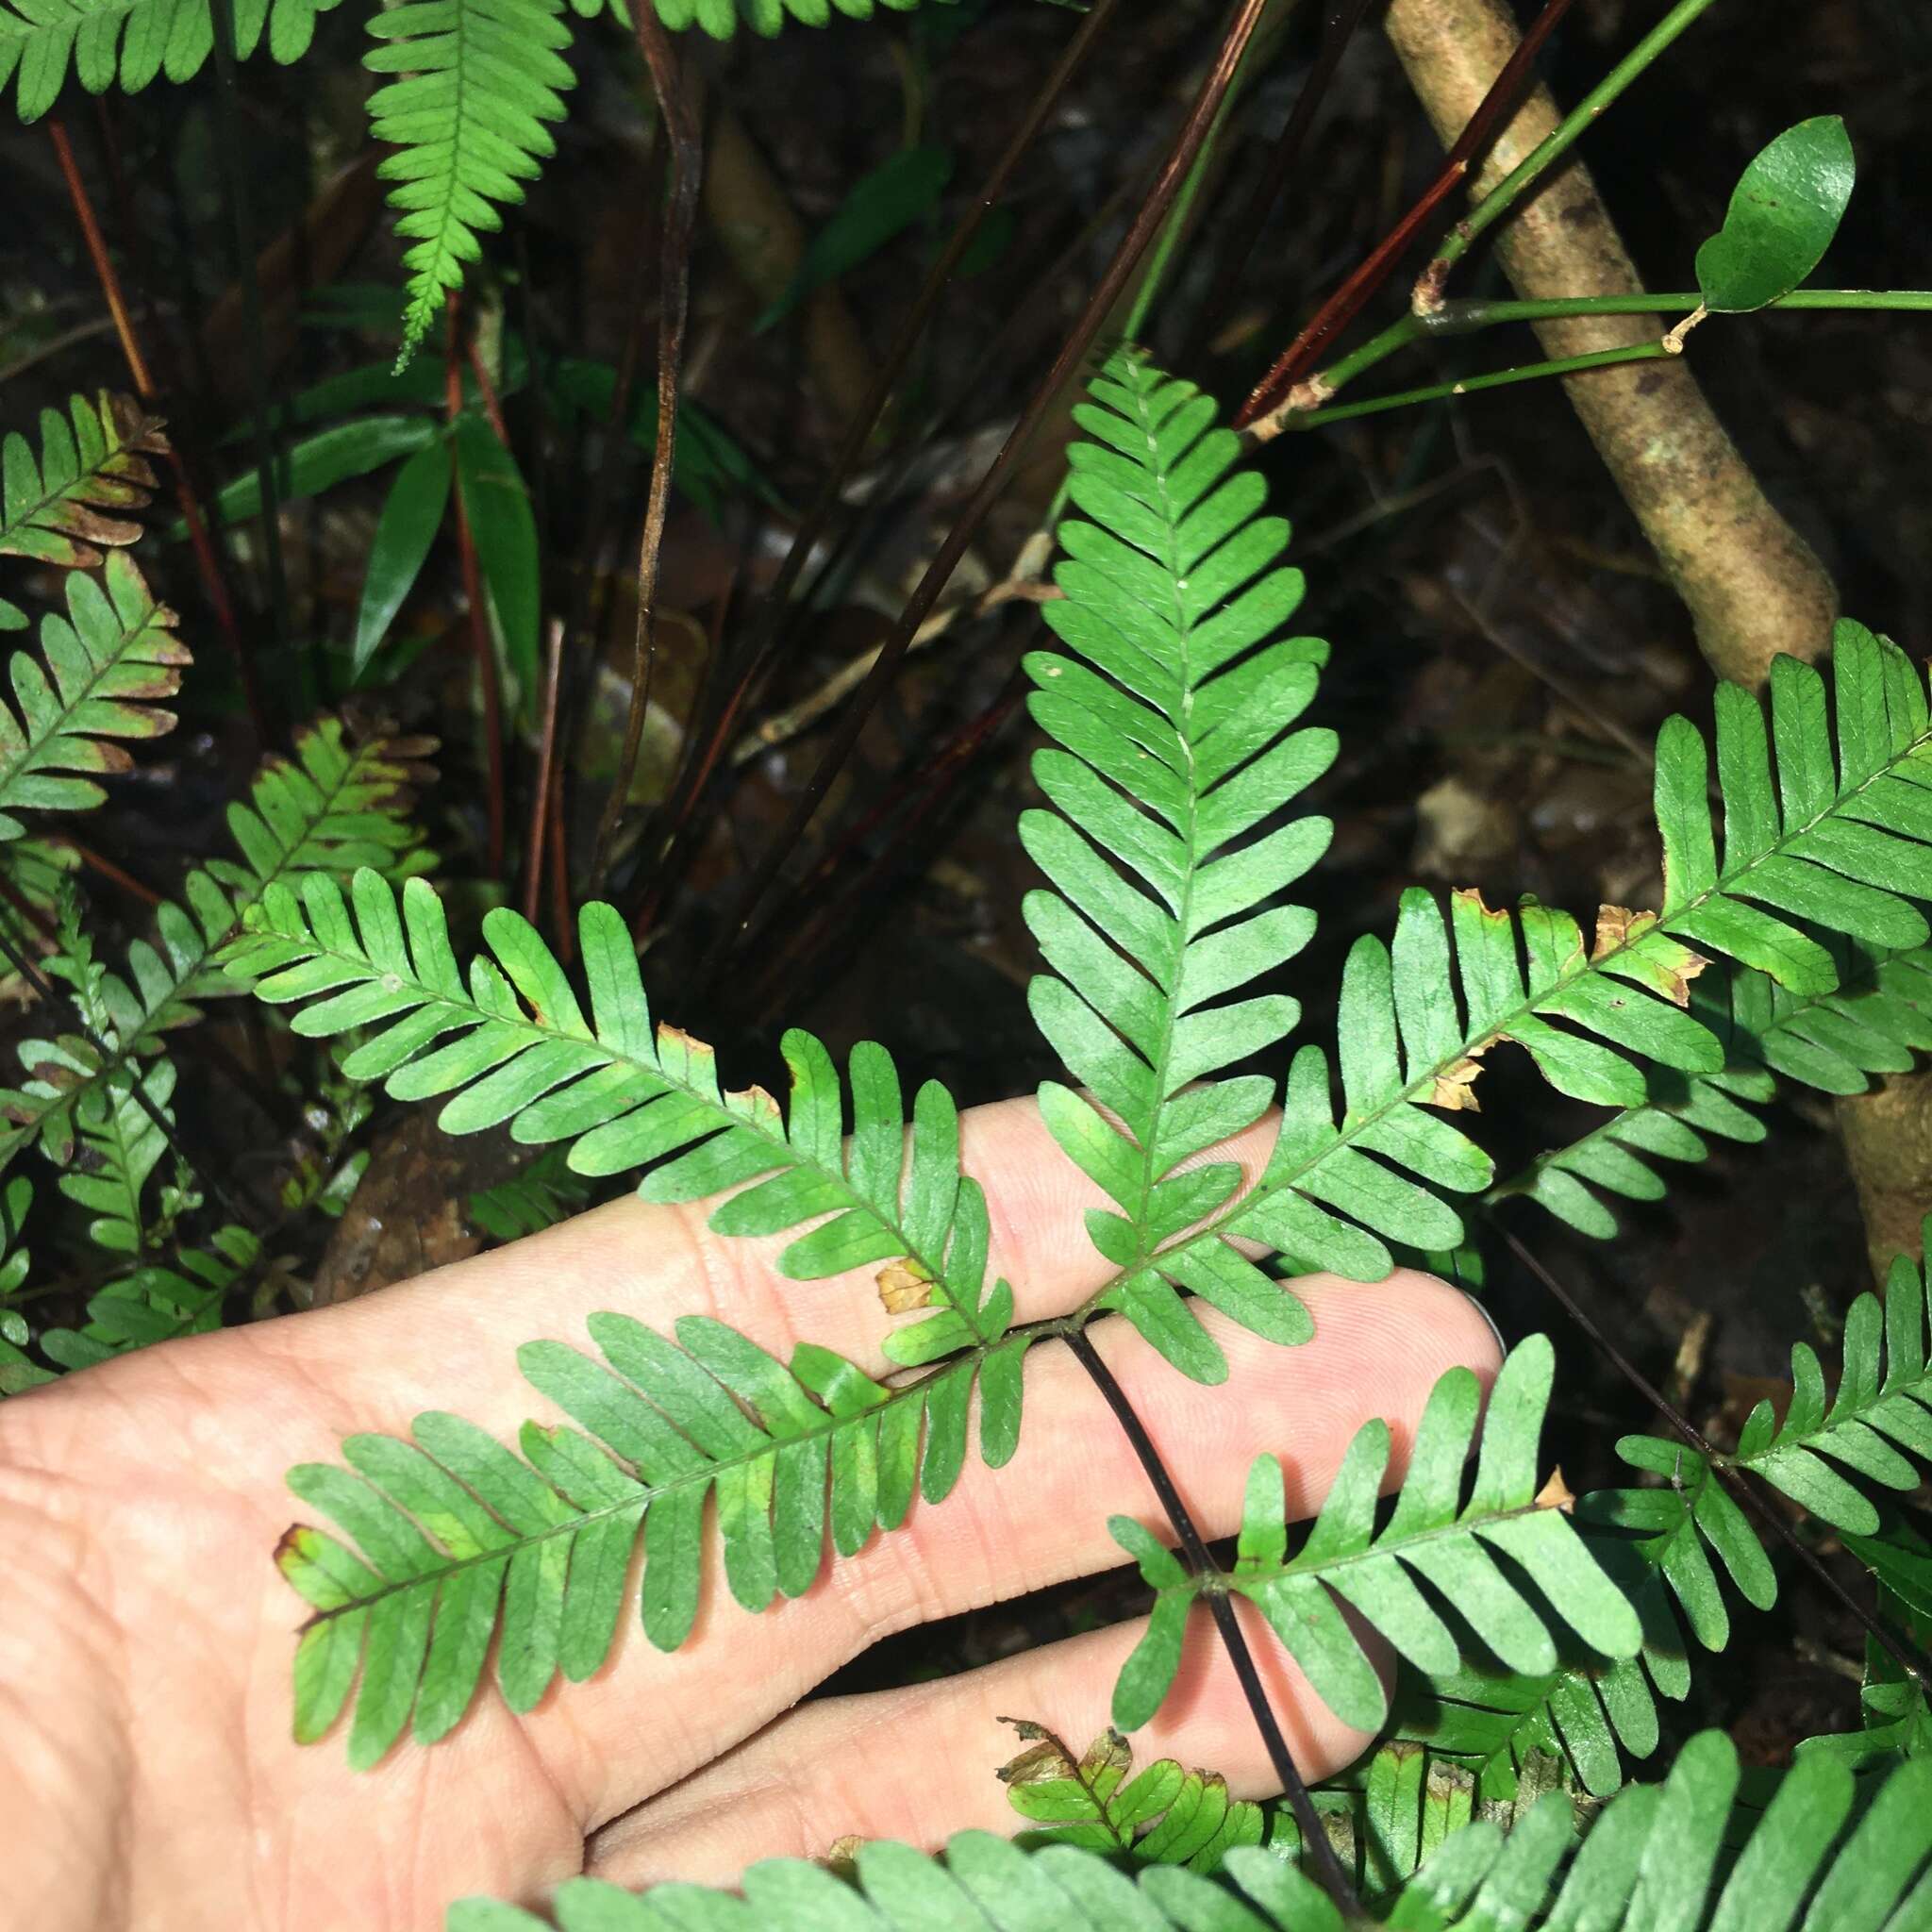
(1108, 291)
(1350, 299)
(679, 114)
(1245, 232)
(480, 645)
(1317, 1847)
(142, 375)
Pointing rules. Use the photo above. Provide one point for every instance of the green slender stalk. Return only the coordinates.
(1460, 318)
(1587, 112)
(1501, 378)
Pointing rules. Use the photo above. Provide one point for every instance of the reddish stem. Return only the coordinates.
(1349, 300)
(480, 645)
(139, 373)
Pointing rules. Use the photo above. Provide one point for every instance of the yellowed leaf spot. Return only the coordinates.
(904, 1286)
(1650, 955)
(1556, 1493)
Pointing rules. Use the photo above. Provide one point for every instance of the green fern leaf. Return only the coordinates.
(121, 1146)
(1654, 1859)
(94, 460)
(543, 1193)
(1167, 1815)
(18, 1370)
(1174, 727)
(330, 808)
(514, 1046)
(126, 42)
(1433, 1535)
(157, 1301)
(467, 124)
(1876, 1020)
(1877, 1427)
(109, 661)
(454, 1536)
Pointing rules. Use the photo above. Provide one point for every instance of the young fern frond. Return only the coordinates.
(18, 1370)
(1164, 1815)
(467, 123)
(455, 1536)
(126, 42)
(121, 1143)
(514, 1047)
(1176, 745)
(1432, 1534)
(55, 509)
(330, 808)
(1879, 1426)
(109, 661)
(1655, 1856)
(156, 1302)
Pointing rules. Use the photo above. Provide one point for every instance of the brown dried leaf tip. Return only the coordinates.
(1046, 1759)
(905, 1286)
(1455, 1088)
(1556, 1493)
(93, 460)
(1666, 965)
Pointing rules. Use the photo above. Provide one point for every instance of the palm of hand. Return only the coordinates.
(146, 1645)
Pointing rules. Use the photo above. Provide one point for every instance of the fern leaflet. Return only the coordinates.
(126, 42)
(467, 124)
(1166, 1815)
(157, 1301)
(514, 1047)
(109, 661)
(1432, 1535)
(92, 461)
(455, 1534)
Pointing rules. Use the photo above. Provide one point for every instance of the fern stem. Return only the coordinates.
(1338, 31)
(1348, 301)
(214, 584)
(684, 137)
(1904, 1654)
(1469, 385)
(1100, 303)
(772, 625)
(1319, 1849)
(247, 272)
(481, 647)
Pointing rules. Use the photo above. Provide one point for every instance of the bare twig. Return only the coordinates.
(680, 116)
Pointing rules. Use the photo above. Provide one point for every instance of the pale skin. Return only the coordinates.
(147, 1777)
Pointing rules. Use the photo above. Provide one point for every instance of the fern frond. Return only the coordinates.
(515, 1047)
(1877, 1426)
(468, 127)
(108, 662)
(454, 1536)
(1879, 1016)
(120, 1144)
(92, 461)
(720, 18)
(126, 42)
(1432, 1535)
(1174, 727)
(330, 808)
(1654, 1857)
(1167, 1815)
(157, 1302)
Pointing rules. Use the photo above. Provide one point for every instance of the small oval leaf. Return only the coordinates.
(1782, 217)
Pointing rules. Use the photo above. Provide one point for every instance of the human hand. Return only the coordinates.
(149, 1776)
